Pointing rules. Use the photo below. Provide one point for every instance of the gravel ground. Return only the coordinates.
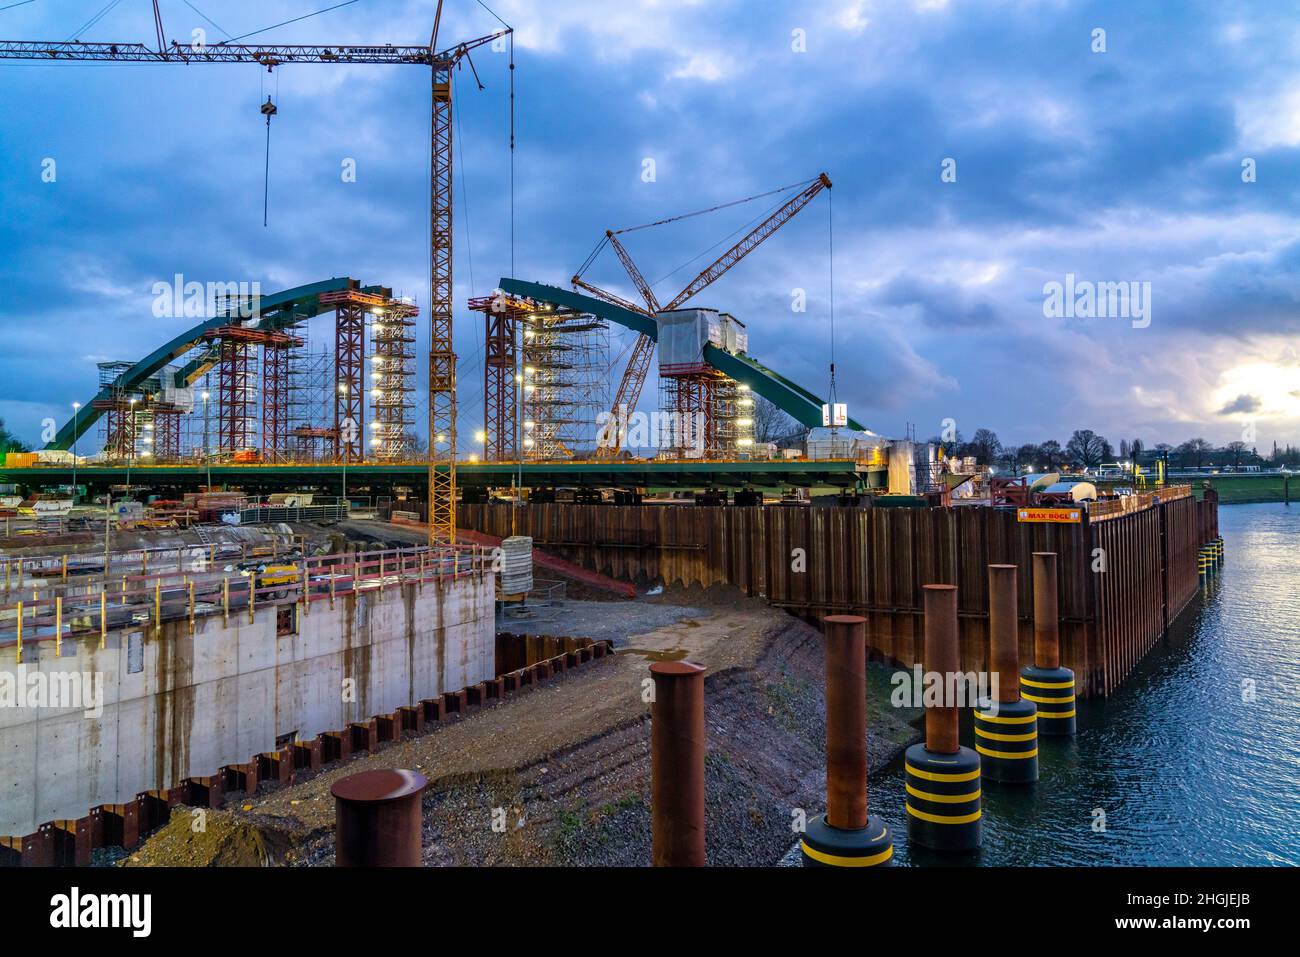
(559, 774)
(616, 620)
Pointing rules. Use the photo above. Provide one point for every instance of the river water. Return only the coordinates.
(1183, 765)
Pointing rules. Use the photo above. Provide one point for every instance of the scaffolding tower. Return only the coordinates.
(392, 377)
(707, 415)
(310, 401)
(565, 362)
(120, 423)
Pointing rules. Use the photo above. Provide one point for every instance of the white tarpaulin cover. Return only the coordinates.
(683, 333)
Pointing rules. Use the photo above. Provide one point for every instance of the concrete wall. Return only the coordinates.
(224, 694)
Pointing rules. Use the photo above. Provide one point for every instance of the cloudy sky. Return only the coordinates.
(980, 151)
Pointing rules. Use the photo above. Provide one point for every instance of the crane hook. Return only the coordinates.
(268, 110)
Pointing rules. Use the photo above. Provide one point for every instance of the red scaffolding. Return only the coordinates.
(501, 315)
(237, 388)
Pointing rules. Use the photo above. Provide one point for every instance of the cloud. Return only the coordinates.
(1242, 403)
(1122, 166)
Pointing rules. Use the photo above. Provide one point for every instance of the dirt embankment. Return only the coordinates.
(560, 775)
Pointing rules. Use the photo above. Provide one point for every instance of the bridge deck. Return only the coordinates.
(841, 473)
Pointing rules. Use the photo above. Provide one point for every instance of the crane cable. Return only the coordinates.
(269, 110)
(283, 23)
(830, 238)
(711, 209)
(104, 11)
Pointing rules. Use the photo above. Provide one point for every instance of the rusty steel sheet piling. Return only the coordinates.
(846, 721)
(677, 764)
(874, 561)
(377, 818)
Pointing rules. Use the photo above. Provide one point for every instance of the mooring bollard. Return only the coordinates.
(377, 818)
(1045, 682)
(942, 778)
(846, 835)
(1006, 733)
(677, 765)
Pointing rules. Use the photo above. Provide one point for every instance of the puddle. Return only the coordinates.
(656, 654)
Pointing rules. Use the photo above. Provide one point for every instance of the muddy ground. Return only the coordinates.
(563, 769)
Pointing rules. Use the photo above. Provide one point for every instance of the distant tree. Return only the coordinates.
(1051, 455)
(1123, 449)
(1235, 451)
(1087, 449)
(770, 422)
(985, 446)
(10, 442)
(1193, 452)
(1135, 448)
(415, 444)
(1029, 456)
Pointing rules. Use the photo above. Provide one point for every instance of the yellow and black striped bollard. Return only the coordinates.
(1052, 690)
(943, 798)
(1006, 737)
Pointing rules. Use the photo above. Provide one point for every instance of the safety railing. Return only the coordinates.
(188, 594)
(1126, 505)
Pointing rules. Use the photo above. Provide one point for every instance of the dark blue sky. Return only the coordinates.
(1115, 166)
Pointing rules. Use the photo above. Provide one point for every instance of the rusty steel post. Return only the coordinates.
(1006, 732)
(1047, 629)
(847, 835)
(377, 818)
(1003, 631)
(677, 764)
(846, 721)
(941, 778)
(1048, 685)
(941, 656)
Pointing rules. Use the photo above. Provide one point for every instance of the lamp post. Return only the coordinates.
(75, 407)
(343, 444)
(130, 454)
(207, 455)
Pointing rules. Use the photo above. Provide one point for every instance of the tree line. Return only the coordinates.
(1088, 449)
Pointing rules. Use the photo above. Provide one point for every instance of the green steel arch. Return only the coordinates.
(277, 311)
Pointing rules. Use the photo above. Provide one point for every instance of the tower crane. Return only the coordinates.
(638, 366)
(441, 63)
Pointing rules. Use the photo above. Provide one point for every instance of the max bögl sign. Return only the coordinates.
(1071, 515)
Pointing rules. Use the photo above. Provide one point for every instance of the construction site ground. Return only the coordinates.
(560, 774)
